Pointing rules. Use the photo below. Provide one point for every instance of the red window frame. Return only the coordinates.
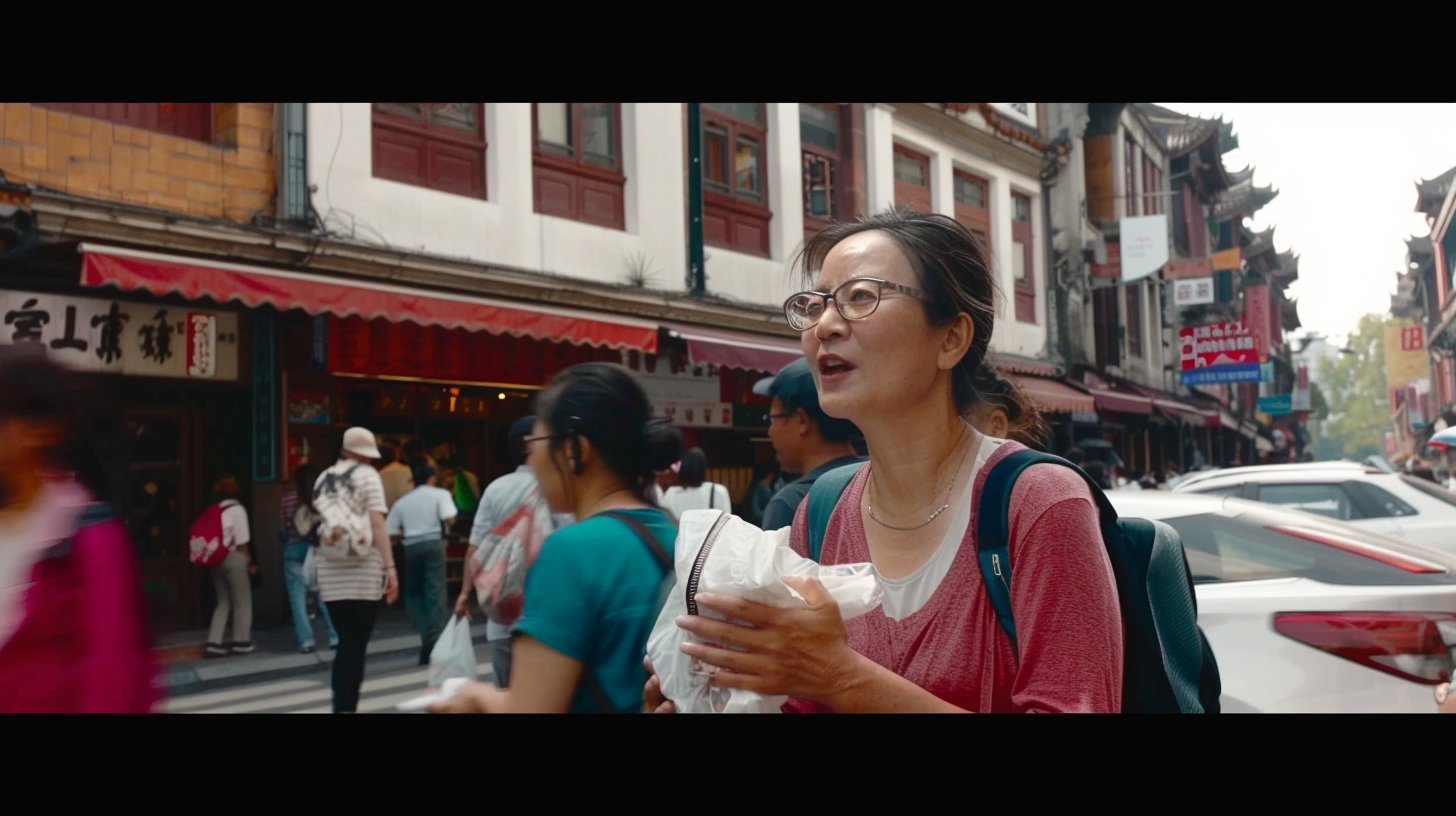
(908, 194)
(1152, 186)
(568, 184)
(416, 150)
(1129, 175)
(1134, 306)
(185, 120)
(835, 166)
(976, 219)
(731, 219)
(1021, 231)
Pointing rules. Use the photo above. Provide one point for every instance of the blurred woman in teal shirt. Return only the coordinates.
(592, 594)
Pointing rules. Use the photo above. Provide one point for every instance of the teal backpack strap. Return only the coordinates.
(823, 495)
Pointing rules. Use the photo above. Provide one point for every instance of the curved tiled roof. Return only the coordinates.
(1242, 198)
(1431, 193)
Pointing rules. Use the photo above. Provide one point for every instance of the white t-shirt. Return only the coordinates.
(235, 529)
(417, 515)
(905, 596)
(678, 500)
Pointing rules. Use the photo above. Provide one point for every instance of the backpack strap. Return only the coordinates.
(823, 495)
(599, 696)
(993, 524)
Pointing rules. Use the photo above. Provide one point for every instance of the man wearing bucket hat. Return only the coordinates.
(805, 439)
(501, 498)
(351, 587)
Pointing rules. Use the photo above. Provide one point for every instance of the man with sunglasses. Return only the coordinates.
(805, 439)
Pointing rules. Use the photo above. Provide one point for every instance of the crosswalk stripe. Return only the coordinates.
(323, 694)
(178, 705)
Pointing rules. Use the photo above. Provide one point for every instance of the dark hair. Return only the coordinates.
(39, 389)
(388, 453)
(765, 467)
(1025, 424)
(1098, 471)
(226, 488)
(1076, 455)
(413, 450)
(694, 468)
(421, 473)
(604, 403)
(303, 480)
(951, 267)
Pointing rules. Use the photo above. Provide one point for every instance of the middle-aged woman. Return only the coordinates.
(896, 329)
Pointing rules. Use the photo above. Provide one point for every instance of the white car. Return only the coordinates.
(1307, 615)
(1392, 503)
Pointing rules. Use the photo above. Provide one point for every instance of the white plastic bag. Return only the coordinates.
(310, 570)
(718, 552)
(453, 655)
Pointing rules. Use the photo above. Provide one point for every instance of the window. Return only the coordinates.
(1022, 247)
(735, 204)
(1222, 549)
(912, 180)
(188, 120)
(1129, 180)
(578, 162)
(1235, 491)
(1322, 499)
(439, 145)
(824, 142)
(1375, 502)
(971, 208)
(1152, 187)
(1134, 320)
(1435, 491)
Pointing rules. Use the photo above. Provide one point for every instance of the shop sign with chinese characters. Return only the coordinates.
(121, 337)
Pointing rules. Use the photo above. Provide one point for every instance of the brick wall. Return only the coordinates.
(231, 178)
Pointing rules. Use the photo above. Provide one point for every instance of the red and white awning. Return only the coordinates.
(1052, 396)
(130, 270)
(737, 349)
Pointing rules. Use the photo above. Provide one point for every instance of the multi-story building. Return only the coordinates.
(1427, 292)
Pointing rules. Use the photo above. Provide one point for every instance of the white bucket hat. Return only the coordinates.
(361, 441)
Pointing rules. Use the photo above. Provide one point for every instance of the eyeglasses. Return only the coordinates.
(856, 299)
(769, 418)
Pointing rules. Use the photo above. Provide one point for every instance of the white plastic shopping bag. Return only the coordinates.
(310, 570)
(453, 655)
(719, 552)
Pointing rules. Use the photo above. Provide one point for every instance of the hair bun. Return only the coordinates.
(662, 444)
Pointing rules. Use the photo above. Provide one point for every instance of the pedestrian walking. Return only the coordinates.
(355, 562)
(418, 522)
(299, 523)
(693, 491)
(232, 579)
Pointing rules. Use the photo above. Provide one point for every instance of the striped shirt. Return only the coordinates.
(355, 579)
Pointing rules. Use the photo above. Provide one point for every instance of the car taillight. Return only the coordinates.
(1414, 646)
(1408, 563)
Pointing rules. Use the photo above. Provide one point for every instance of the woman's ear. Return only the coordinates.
(957, 341)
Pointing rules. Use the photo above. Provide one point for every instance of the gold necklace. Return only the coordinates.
(871, 508)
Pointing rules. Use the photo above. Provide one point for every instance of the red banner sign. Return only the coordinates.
(1412, 338)
(1228, 343)
(1113, 267)
(1257, 319)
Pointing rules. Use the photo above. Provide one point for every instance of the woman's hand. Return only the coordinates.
(1445, 700)
(391, 586)
(462, 605)
(653, 701)
(474, 698)
(802, 653)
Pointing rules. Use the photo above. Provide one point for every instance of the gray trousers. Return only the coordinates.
(235, 596)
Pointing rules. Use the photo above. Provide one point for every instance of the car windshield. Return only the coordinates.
(1431, 489)
(1222, 549)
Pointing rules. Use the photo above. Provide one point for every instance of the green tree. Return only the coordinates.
(1358, 401)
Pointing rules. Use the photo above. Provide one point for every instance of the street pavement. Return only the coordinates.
(387, 683)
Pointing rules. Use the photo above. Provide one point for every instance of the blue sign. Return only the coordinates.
(1233, 373)
(1277, 405)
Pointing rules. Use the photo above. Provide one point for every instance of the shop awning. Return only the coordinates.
(1171, 406)
(1052, 396)
(129, 270)
(732, 349)
(1121, 399)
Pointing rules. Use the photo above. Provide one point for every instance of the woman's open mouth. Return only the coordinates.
(833, 367)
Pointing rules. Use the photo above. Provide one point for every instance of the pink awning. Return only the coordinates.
(253, 286)
(730, 349)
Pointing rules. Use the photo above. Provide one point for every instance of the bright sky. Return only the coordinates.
(1346, 177)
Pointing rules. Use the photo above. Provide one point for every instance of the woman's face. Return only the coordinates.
(550, 474)
(874, 367)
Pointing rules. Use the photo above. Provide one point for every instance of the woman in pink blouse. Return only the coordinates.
(896, 330)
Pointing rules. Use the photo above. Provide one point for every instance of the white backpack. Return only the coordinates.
(345, 534)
